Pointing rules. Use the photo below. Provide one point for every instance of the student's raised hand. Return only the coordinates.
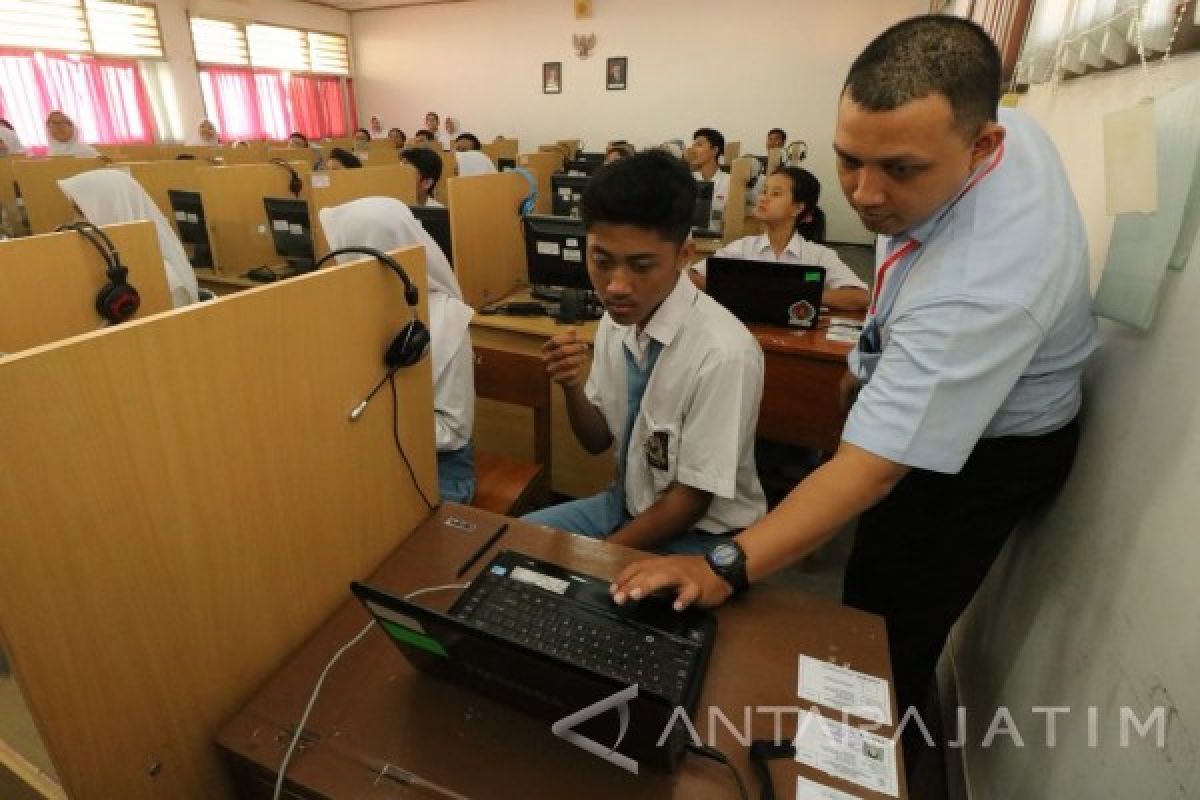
(566, 359)
(689, 577)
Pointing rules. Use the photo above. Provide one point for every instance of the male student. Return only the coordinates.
(707, 147)
(428, 165)
(969, 369)
(433, 124)
(675, 380)
(424, 138)
(776, 139)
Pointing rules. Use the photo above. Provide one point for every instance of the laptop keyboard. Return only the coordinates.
(570, 631)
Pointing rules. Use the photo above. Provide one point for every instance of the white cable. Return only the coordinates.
(443, 588)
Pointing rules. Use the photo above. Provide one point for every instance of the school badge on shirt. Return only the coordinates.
(656, 449)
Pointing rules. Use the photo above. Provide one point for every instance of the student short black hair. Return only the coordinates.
(433, 114)
(427, 163)
(472, 138)
(930, 54)
(357, 131)
(782, 133)
(651, 190)
(298, 134)
(403, 135)
(714, 138)
(346, 158)
(423, 135)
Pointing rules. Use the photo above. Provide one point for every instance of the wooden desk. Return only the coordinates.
(375, 709)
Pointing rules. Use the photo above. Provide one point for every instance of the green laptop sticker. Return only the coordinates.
(811, 277)
(403, 634)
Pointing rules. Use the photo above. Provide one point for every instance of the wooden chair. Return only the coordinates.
(506, 485)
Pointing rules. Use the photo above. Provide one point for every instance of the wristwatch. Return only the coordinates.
(728, 560)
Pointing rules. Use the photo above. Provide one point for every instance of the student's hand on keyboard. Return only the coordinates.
(566, 358)
(689, 576)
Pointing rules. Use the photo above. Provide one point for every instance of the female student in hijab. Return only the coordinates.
(63, 137)
(794, 225)
(473, 162)
(386, 224)
(10, 144)
(108, 196)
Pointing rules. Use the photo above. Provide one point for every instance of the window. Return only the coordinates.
(269, 47)
(103, 27)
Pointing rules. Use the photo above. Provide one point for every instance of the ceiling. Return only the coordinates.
(367, 5)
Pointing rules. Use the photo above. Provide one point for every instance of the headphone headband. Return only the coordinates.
(411, 294)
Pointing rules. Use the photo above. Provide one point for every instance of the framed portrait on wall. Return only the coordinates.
(552, 77)
(617, 73)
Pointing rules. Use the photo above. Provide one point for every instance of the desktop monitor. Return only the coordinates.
(291, 231)
(188, 211)
(702, 213)
(595, 159)
(436, 222)
(579, 166)
(568, 194)
(506, 164)
(554, 251)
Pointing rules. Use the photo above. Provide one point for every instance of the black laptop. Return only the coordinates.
(767, 292)
(549, 641)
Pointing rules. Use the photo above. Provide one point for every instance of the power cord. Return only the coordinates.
(312, 701)
(712, 753)
(391, 378)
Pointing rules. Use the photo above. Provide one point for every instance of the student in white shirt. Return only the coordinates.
(433, 124)
(386, 224)
(428, 165)
(473, 162)
(675, 379)
(109, 196)
(708, 145)
(63, 137)
(397, 137)
(467, 141)
(794, 224)
(10, 143)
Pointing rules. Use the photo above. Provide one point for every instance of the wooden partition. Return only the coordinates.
(234, 215)
(343, 185)
(543, 166)
(735, 203)
(8, 197)
(48, 283)
(185, 502)
(142, 152)
(156, 177)
(116, 152)
(441, 192)
(308, 155)
(507, 148)
(573, 146)
(733, 150)
(380, 152)
(485, 230)
(45, 204)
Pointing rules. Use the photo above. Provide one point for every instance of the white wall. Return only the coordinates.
(742, 68)
(177, 38)
(1096, 604)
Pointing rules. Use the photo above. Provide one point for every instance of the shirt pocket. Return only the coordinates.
(659, 451)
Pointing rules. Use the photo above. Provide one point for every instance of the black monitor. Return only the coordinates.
(436, 222)
(291, 231)
(568, 194)
(596, 159)
(579, 166)
(188, 211)
(555, 250)
(702, 213)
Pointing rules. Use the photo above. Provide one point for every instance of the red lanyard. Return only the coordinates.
(913, 244)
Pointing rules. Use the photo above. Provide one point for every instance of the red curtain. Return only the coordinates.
(268, 104)
(316, 105)
(231, 97)
(105, 97)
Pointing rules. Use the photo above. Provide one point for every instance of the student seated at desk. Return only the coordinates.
(675, 381)
(386, 224)
(428, 165)
(776, 139)
(342, 159)
(794, 224)
(63, 138)
(708, 145)
(467, 141)
(362, 138)
(110, 196)
(618, 150)
(424, 138)
(397, 137)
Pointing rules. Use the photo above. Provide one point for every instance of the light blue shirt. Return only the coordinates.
(985, 327)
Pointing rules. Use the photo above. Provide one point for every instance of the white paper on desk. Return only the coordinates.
(841, 335)
(847, 753)
(843, 689)
(807, 790)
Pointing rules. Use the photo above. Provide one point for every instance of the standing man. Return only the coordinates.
(433, 124)
(776, 139)
(968, 371)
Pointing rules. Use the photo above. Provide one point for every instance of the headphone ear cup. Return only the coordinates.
(117, 301)
(409, 346)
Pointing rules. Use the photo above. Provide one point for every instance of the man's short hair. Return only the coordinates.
(930, 54)
(427, 163)
(472, 138)
(424, 135)
(347, 159)
(652, 190)
(782, 133)
(713, 137)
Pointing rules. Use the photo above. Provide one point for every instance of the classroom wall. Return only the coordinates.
(177, 38)
(1094, 604)
(742, 67)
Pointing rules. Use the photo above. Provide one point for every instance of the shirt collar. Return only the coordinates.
(763, 246)
(667, 319)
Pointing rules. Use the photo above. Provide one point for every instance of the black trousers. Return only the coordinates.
(921, 553)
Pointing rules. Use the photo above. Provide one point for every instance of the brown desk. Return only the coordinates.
(375, 709)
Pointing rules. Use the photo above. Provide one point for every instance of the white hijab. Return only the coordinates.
(12, 144)
(72, 147)
(474, 162)
(108, 196)
(386, 224)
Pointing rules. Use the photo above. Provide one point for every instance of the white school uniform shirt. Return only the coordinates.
(431, 203)
(12, 143)
(474, 162)
(702, 398)
(720, 181)
(799, 251)
(386, 224)
(985, 322)
(109, 196)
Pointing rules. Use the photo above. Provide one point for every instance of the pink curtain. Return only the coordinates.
(105, 97)
(269, 104)
(231, 97)
(316, 106)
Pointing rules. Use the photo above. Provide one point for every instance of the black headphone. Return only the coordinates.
(117, 300)
(294, 182)
(412, 342)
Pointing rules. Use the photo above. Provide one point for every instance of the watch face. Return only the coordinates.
(724, 555)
